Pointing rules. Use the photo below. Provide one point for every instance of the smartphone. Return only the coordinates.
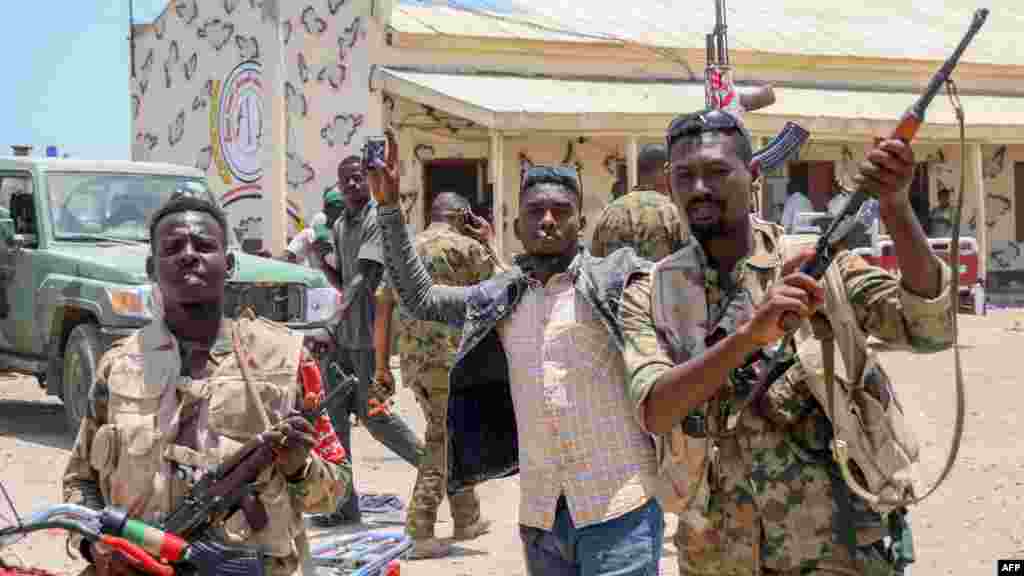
(375, 152)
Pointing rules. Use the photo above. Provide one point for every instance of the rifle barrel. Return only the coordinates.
(917, 110)
(720, 31)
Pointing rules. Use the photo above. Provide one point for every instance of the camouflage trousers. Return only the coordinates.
(695, 541)
(431, 389)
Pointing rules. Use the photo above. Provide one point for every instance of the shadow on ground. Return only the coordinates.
(36, 422)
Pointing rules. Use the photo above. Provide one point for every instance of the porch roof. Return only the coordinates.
(528, 104)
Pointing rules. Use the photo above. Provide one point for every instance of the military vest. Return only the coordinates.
(163, 429)
(862, 407)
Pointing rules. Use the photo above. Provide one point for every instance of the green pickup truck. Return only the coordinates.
(74, 236)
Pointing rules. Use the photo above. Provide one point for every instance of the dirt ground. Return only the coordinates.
(962, 529)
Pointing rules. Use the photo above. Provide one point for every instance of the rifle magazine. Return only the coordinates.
(784, 145)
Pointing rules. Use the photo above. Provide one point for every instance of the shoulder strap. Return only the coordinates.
(243, 366)
(301, 539)
(850, 328)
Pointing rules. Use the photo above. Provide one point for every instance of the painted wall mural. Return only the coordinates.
(199, 98)
(326, 56)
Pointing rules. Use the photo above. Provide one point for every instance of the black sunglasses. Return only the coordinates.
(565, 175)
(706, 121)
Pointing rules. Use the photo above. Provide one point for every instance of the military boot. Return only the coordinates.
(428, 548)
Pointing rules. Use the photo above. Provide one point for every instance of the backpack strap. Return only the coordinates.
(847, 327)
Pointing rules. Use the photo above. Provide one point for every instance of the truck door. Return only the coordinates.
(16, 271)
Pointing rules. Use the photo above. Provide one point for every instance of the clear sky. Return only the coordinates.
(67, 74)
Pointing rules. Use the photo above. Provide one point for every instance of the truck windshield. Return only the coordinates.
(116, 206)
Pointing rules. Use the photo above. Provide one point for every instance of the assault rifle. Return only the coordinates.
(229, 487)
(830, 244)
(721, 93)
(224, 491)
(182, 545)
(910, 122)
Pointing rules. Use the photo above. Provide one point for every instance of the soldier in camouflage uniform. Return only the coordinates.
(646, 218)
(772, 502)
(427, 351)
(170, 400)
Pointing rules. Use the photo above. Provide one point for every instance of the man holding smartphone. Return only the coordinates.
(360, 261)
(455, 248)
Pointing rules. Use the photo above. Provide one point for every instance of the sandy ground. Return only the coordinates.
(962, 529)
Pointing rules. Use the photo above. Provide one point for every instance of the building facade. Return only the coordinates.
(476, 96)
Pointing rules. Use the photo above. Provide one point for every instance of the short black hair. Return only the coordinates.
(694, 124)
(179, 202)
(567, 177)
(352, 160)
(651, 159)
(446, 203)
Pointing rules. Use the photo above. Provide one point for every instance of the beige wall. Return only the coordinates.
(944, 170)
(326, 90)
(1005, 249)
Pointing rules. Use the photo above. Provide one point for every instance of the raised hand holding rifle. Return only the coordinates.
(885, 175)
(881, 170)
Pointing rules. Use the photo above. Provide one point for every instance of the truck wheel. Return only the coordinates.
(81, 354)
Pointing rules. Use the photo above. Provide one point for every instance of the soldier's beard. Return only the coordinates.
(704, 233)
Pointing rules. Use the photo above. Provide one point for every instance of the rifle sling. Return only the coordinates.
(958, 426)
(301, 540)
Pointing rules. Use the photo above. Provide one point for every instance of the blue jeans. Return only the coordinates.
(629, 545)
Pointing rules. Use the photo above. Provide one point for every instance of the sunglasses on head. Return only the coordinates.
(565, 175)
(706, 121)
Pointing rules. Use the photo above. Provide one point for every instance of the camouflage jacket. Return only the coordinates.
(644, 219)
(452, 259)
(149, 432)
(771, 502)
